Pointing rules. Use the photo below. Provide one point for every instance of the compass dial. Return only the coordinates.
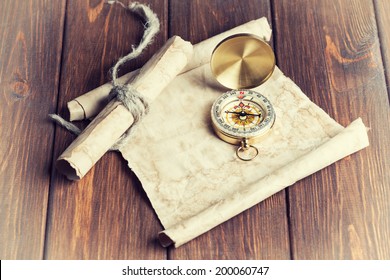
(242, 114)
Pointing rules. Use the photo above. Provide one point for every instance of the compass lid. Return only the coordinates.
(242, 61)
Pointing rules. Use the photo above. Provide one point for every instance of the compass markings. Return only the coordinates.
(242, 113)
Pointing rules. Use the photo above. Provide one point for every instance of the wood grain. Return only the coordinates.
(332, 52)
(30, 51)
(336, 51)
(260, 232)
(382, 8)
(105, 215)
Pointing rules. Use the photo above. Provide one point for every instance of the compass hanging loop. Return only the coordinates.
(246, 152)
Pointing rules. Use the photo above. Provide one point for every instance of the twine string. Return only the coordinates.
(137, 105)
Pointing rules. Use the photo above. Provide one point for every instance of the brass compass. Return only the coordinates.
(242, 116)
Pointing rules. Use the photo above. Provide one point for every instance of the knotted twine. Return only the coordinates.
(137, 104)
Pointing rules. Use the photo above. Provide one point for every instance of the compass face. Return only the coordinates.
(242, 114)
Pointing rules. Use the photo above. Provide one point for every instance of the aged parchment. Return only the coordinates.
(195, 181)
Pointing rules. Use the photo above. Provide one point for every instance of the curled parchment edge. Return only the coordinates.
(355, 138)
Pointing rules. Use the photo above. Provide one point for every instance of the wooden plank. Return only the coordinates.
(30, 51)
(106, 215)
(331, 49)
(382, 8)
(260, 232)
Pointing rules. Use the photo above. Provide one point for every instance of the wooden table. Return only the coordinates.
(53, 51)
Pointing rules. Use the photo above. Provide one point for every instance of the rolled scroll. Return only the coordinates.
(91, 103)
(114, 120)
